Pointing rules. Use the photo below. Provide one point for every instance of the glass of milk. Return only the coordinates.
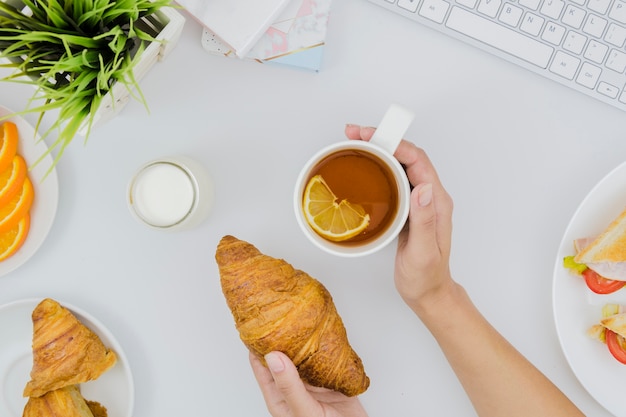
(172, 193)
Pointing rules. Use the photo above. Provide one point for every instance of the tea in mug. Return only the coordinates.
(361, 178)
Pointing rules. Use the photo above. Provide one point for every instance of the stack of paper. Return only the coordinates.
(238, 23)
(296, 37)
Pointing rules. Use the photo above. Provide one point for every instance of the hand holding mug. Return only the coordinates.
(352, 197)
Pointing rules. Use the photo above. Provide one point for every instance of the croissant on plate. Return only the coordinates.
(63, 402)
(65, 351)
(279, 308)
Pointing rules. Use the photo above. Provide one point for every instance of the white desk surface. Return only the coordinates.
(518, 153)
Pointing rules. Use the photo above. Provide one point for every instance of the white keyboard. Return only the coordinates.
(578, 43)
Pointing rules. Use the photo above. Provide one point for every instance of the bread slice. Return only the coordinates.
(606, 254)
(616, 323)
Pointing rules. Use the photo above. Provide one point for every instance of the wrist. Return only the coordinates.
(444, 298)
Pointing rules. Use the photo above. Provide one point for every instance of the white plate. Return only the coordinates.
(114, 389)
(44, 206)
(576, 308)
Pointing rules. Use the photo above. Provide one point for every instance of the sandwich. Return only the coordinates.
(612, 330)
(602, 260)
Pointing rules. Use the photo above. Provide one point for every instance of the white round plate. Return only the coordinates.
(576, 308)
(114, 389)
(44, 206)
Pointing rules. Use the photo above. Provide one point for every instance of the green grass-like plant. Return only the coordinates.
(73, 52)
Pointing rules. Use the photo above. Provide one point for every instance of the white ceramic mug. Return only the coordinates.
(383, 145)
(172, 193)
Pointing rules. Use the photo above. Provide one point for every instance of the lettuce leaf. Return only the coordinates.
(573, 266)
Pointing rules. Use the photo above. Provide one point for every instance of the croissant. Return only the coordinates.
(97, 409)
(63, 402)
(65, 351)
(279, 308)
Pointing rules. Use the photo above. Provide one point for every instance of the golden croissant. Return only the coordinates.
(63, 402)
(97, 409)
(65, 351)
(279, 308)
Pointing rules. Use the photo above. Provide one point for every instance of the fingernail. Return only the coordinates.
(274, 362)
(425, 195)
(348, 125)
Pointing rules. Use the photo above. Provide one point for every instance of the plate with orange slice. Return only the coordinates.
(29, 192)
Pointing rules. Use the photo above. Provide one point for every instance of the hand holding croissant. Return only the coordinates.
(279, 308)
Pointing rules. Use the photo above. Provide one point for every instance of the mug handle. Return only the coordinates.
(392, 128)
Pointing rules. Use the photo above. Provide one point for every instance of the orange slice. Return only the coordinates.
(8, 144)
(12, 179)
(335, 221)
(12, 212)
(13, 239)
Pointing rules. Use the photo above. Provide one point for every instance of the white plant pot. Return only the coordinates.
(168, 24)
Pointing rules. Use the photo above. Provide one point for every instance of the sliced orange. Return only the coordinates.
(335, 221)
(13, 239)
(12, 179)
(8, 144)
(12, 212)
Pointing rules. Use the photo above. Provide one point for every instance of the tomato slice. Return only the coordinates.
(600, 285)
(616, 344)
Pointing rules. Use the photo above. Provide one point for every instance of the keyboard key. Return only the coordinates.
(531, 4)
(511, 15)
(574, 42)
(608, 89)
(595, 25)
(616, 61)
(434, 10)
(489, 7)
(552, 8)
(615, 35)
(622, 97)
(468, 3)
(410, 5)
(573, 16)
(553, 33)
(589, 75)
(500, 37)
(618, 11)
(600, 6)
(596, 51)
(564, 65)
(532, 24)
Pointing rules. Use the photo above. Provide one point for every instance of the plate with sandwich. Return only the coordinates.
(589, 291)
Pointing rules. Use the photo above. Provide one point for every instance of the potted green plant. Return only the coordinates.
(84, 57)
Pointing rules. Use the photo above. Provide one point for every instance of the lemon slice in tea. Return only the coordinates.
(335, 221)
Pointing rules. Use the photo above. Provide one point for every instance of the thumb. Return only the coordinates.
(288, 382)
(422, 237)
